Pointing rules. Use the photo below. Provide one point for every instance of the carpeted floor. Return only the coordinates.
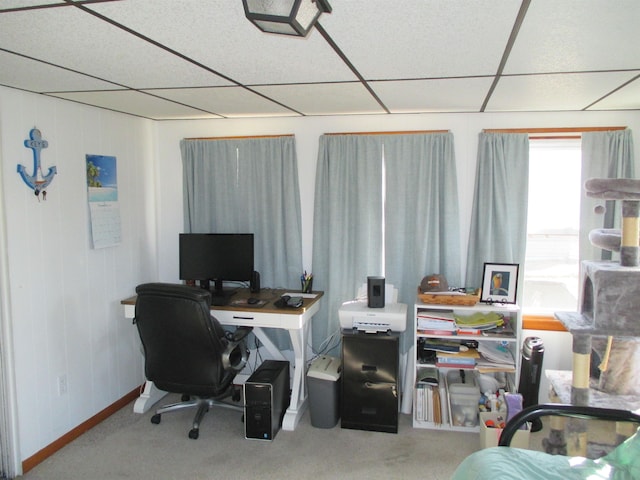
(128, 446)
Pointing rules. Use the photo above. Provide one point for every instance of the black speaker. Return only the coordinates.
(254, 285)
(375, 292)
(266, 398)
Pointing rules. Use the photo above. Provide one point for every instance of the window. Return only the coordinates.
(551, 269)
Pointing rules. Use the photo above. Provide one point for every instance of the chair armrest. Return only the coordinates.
(563, 410)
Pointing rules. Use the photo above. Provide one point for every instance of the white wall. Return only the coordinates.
(64, 296)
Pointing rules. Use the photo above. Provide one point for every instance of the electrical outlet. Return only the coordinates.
(62, 384)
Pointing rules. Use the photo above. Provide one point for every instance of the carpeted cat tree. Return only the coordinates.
(609, 306)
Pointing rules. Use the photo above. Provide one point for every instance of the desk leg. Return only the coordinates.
(299, 396)
(149, 396)
(269, 346)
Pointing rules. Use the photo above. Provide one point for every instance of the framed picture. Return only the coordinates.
(499, 283)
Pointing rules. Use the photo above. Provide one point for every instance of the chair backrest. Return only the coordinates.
(182, 342)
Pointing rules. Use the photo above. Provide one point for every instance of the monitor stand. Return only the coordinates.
(220, 296)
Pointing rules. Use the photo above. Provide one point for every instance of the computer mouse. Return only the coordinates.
(252, 301)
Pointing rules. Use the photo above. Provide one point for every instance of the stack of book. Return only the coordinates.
(478, 322)
(495, 356)
(442, 345)
(436, 322)
(429, 403)
(462, 359)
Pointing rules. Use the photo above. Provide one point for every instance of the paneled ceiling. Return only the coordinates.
(191, 59)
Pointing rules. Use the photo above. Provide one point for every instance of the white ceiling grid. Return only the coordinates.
(180, 59)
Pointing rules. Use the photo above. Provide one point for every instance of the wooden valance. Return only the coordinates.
(553, 133)
(248, 137)
(407, 132)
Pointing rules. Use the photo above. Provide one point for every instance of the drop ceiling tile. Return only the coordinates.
(77, 40)
(10, 4)
(324, 98)
(553, 92)
(627, 98)
(226, 101)
(26, 74)
(577, 36)
(217, 34)
(451, 95)
(135, 103)
(422, 38)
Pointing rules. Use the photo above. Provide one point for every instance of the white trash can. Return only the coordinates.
(323, 383)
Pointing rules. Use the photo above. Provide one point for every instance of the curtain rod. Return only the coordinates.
(240, 137)
(407, 132)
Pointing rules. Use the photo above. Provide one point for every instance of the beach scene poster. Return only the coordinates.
(102, 178)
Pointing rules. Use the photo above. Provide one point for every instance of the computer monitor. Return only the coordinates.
(216, 257)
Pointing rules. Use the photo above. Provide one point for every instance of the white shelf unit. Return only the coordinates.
(513, 342)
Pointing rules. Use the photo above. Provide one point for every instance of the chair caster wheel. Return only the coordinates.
(155, 419)
(194, 433)
(236, 395)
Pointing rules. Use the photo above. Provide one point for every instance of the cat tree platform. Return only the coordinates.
(610, 294)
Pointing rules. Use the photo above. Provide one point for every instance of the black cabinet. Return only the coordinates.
(370, 366)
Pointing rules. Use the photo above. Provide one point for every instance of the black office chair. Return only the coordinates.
(186, 350)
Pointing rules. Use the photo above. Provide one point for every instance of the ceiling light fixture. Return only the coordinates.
(287, 17)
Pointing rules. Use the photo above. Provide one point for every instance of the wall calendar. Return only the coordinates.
(104, 210)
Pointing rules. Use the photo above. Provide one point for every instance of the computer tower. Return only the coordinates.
(266, 398)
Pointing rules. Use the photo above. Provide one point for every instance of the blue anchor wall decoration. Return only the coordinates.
(36, 143)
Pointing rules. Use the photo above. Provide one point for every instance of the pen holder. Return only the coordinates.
(306, 285)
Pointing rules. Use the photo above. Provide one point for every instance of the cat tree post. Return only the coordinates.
(630, 233)
(577, 441)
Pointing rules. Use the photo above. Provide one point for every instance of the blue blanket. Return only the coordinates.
(504, 463)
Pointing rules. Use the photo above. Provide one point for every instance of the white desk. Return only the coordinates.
(295, 321)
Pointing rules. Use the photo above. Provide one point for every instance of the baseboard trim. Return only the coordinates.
(71, 435)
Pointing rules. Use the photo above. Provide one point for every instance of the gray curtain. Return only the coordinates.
(422, 221)
(248, 185)
(347, 223)
(499, 216)
(607, 154)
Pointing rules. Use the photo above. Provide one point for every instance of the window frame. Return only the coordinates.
(548, 322)
(537, 320)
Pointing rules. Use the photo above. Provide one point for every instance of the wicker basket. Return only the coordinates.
(442, 299)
